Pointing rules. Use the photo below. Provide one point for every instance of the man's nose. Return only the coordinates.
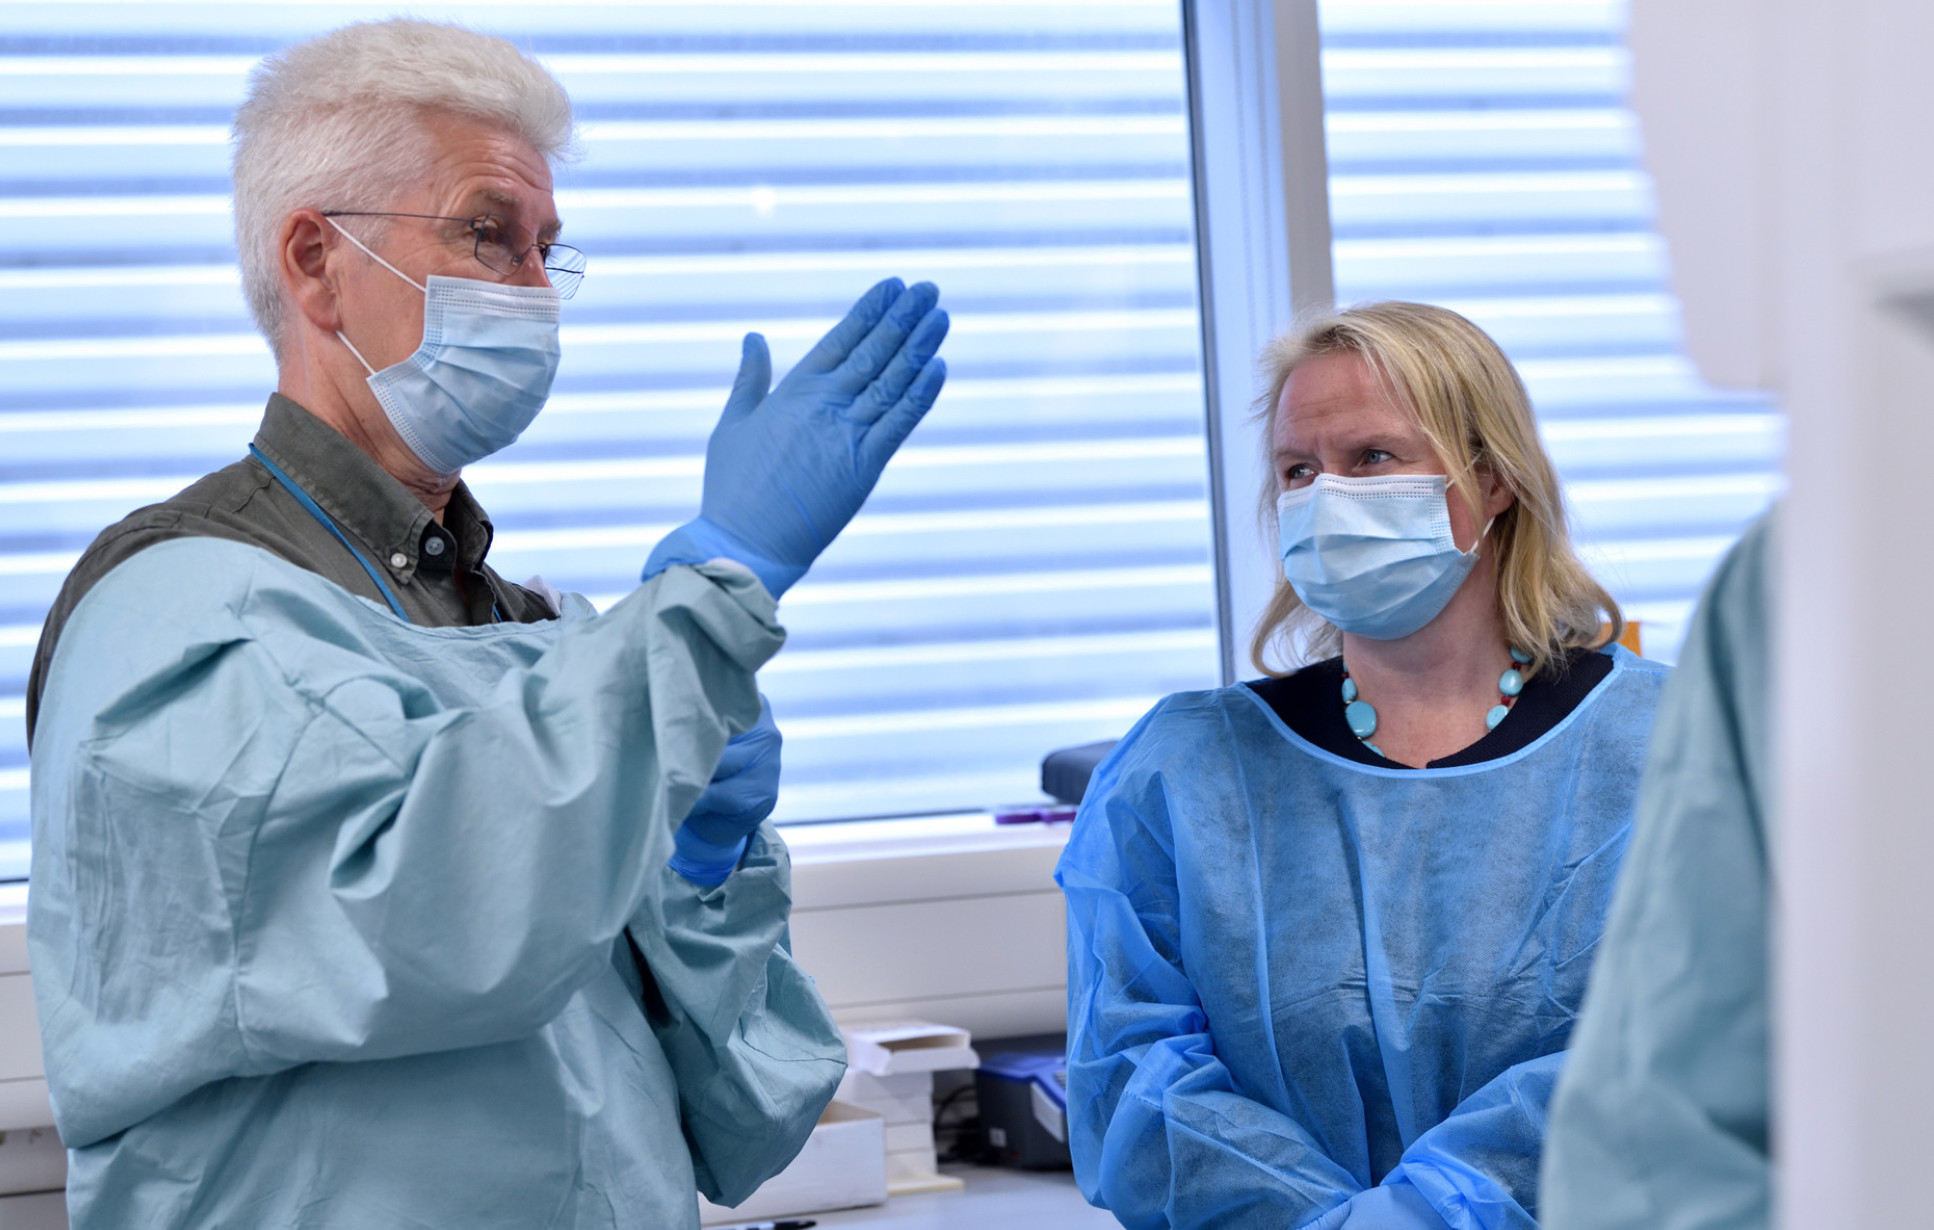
(531, 271)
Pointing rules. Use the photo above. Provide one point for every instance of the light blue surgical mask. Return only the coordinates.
(483, 371)
(1374, 556)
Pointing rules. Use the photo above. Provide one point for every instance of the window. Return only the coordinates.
(1035, 569)
(1482, 157)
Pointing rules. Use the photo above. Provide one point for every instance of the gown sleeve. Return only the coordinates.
(752, 1045)
(1478, 1168)
(259, 843)
(1662, 1118)
(1159, 1134)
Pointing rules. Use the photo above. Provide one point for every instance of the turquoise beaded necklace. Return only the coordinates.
(1362, 715)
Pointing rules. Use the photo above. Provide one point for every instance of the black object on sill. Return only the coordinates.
(1023, 1100)
(1065, 774)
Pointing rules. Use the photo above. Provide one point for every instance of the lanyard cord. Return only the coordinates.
(315, 510)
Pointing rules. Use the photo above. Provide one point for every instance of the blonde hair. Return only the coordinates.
(1474, 410)
(337, 122)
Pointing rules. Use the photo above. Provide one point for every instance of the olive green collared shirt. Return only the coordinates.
(437, 572)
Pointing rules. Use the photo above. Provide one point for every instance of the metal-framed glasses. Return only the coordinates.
(502, 248)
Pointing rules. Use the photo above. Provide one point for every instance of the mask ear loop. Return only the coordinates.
(1482, 534)
(352, 350)
(385, 264)
(379, 260)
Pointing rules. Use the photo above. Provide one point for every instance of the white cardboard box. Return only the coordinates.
(903, 1137)
(890, 1071)
(843, 1166)
(900, 1099)
(890, 1048)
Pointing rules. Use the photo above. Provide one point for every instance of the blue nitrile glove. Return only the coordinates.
(708, 846)
(786, 470)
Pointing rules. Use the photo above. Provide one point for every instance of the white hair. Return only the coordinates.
(337, 123)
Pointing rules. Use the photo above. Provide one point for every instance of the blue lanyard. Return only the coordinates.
(315, 510)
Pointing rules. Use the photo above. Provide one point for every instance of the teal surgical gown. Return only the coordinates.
(1304, 991)
(1663, 1119)
(332, 916)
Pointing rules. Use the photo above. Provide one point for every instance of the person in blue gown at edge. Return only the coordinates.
(371, 890)
(1328, 932)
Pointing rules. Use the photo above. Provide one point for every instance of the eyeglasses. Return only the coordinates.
(501, 248)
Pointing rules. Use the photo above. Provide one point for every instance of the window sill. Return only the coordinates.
(920, 858)
(903, 836)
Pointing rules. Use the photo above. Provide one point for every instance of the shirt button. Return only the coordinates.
(399, 560)
(433, 545)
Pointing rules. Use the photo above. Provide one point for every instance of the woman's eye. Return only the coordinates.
(1295, 476)
(1376, 457)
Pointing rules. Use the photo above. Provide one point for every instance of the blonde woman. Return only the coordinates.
(1328, 932)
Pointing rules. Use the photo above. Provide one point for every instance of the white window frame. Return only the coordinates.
(1262, 218)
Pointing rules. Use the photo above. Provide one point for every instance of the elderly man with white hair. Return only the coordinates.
(370, 889)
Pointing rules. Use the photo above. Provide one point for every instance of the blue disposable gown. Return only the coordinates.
(329, 912)
(1663, 1120)
(1304, 991)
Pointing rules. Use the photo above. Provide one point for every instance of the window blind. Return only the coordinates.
(1033, 570)
(1482, 156)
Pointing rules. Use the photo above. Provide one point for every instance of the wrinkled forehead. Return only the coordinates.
(480, 168)
(1335, 390)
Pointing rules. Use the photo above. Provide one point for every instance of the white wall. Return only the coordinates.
(31, 1157)
(23, 1090)
(954, 921)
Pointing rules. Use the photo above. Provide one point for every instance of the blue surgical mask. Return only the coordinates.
(484, 370)
(1374, 556)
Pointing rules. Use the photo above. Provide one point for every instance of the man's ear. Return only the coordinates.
(307, 242)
